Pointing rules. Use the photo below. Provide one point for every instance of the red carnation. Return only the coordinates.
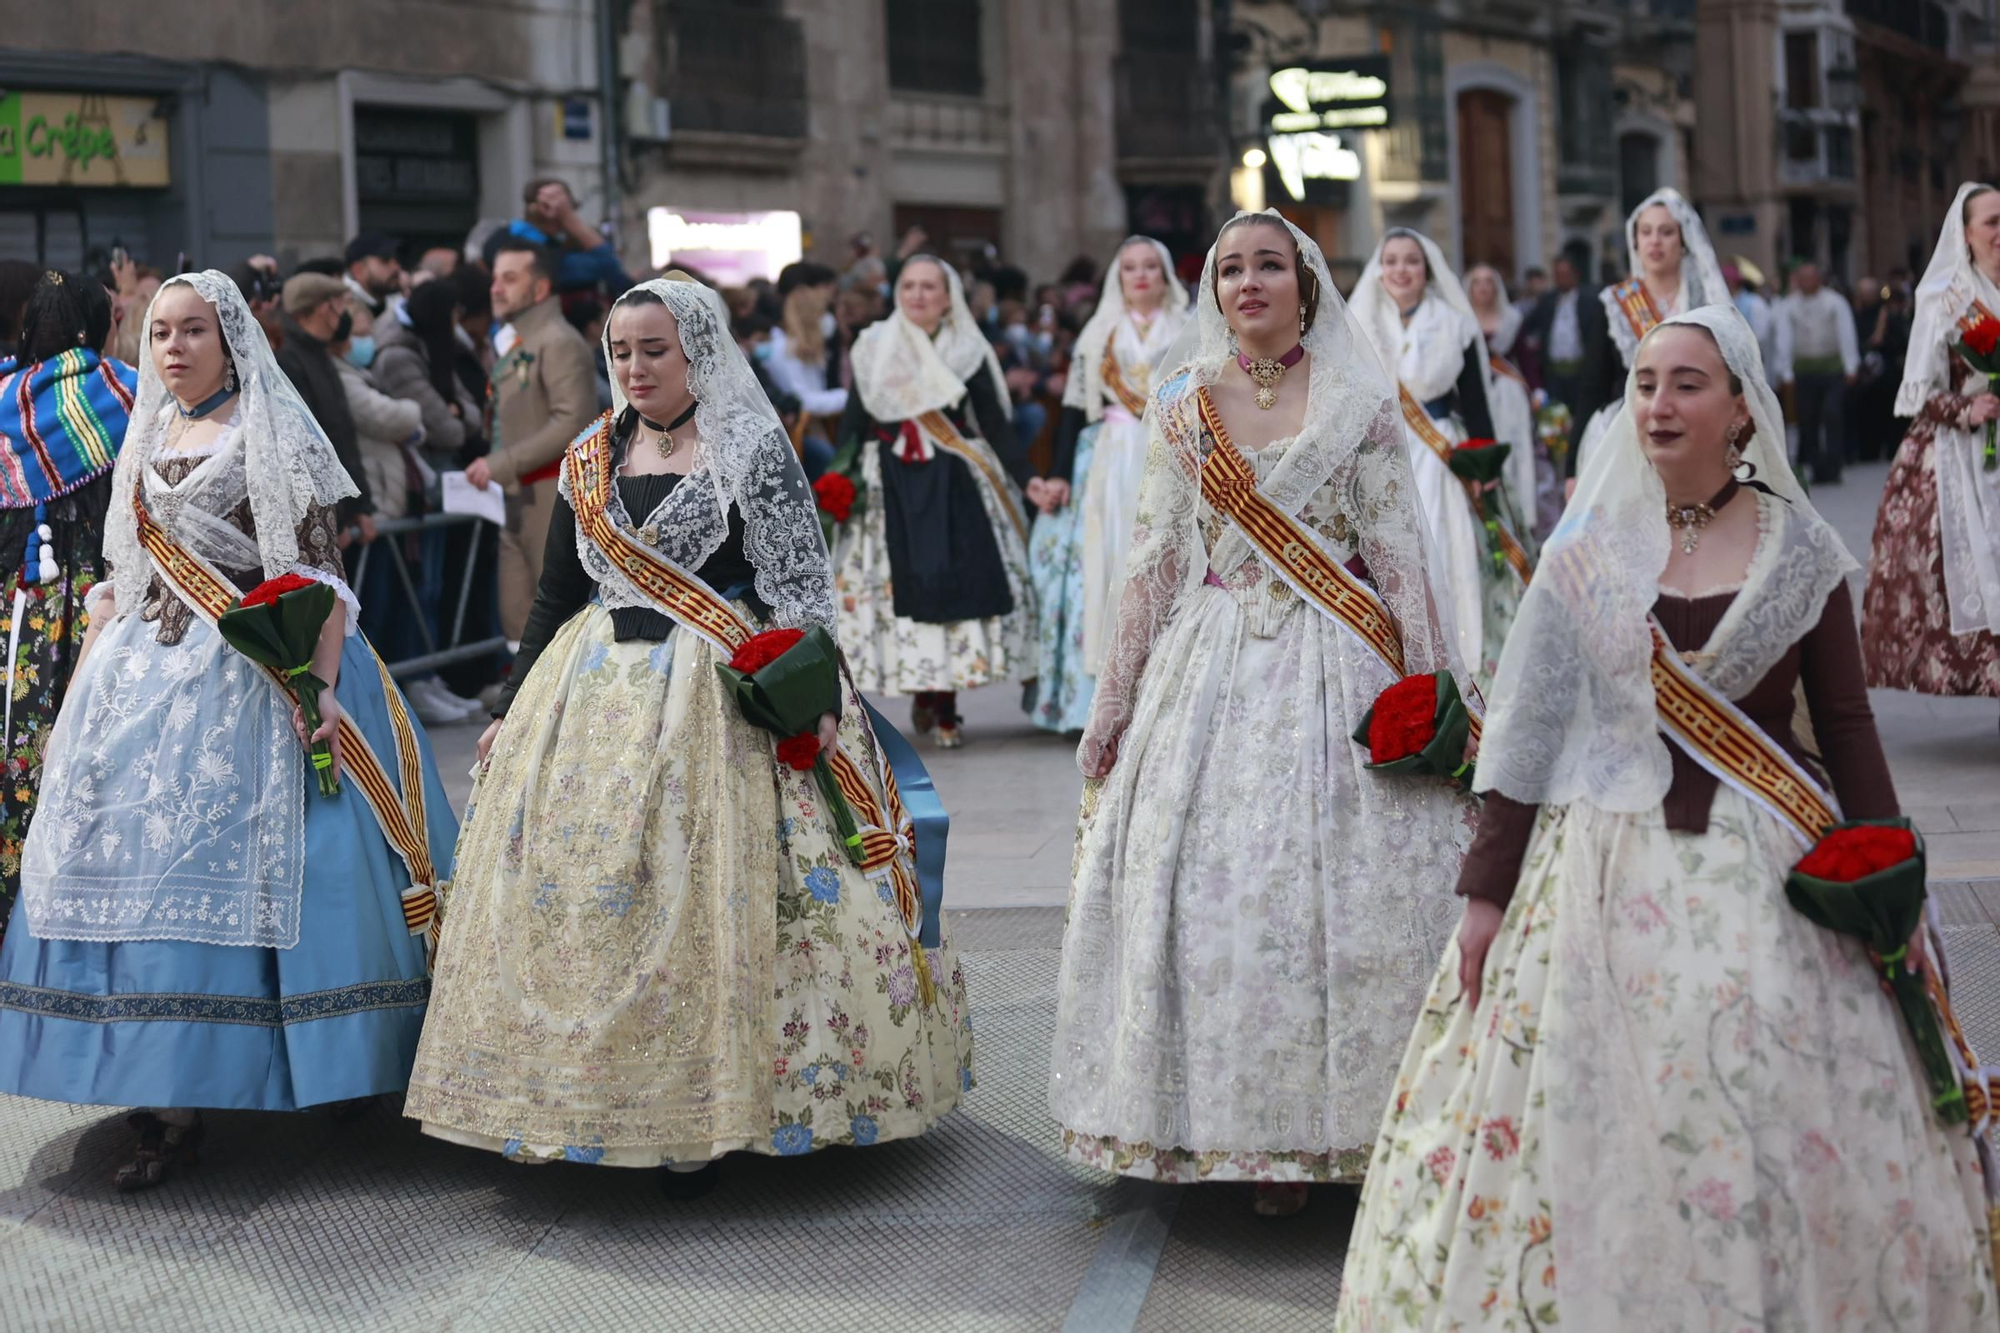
(835, 495)
(799, 751)
(1849, 854)
(764, 649)
(1404, 719)
(1474, 445)
(1983, 336)
(272, 589)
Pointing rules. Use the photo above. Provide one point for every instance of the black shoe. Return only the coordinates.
(690, 1184)
(161, 1149)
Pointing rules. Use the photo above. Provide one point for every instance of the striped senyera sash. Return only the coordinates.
(1229, 484)
(1716, 734)
(1426, 430)
(1636, 303)
(1114, 380)
(1974, 313)
(401, 815)
(888, 835)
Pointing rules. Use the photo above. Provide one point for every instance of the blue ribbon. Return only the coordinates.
(927, 812)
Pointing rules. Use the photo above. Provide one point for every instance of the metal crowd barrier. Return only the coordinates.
(433, 656)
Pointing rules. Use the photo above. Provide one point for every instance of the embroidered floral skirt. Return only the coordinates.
(1906, 638)
(655, 949)
(890, 654)
(1679, 1106)
(46, 641)
(171, 1022)
(1252, 917)
(1056, 560)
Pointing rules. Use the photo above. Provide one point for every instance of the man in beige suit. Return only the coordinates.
(544, 392)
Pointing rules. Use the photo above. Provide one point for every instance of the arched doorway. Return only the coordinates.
(1486, 178)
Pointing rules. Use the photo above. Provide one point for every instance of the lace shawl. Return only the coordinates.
(1572, 709)
(903, 372)
(742, 456)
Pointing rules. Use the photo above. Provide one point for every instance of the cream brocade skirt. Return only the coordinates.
(655, 950)
(1680, 1106)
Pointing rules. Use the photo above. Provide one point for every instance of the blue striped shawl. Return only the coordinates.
(61, 422)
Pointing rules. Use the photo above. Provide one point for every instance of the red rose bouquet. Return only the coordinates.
(1480, 462)
(836, 494)
(783, 680)
(1419, 725)
(277, 625)
(1866, 879)
(1980, 346)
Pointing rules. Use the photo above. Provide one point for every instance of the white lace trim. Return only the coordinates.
(339, 585)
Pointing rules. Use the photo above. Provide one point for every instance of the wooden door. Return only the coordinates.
(1486, 179)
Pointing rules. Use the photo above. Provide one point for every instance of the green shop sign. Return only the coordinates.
(82, 139)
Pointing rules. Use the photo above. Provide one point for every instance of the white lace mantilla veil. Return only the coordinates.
(1511, 318)
(1968, 497)
(1085, 387)
(1379, 315)
(1351, 437)
(275, 453)
(742, 455)
(1701, 275)
(903, 372)
(1572, 711)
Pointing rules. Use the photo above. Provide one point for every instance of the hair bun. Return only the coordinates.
(679, 275)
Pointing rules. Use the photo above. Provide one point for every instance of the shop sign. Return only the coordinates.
(1311, 119)
(1345, 94)
(730, 248)
(86, 139)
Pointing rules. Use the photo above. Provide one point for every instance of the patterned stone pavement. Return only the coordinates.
(311, 1222)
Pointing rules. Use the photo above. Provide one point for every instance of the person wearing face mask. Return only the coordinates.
(931, 563)
(1418, 320)
(314, 319)
(1673, 269)
(200, 924)
(1237, 975)
(1930, 620)
(1077, 556)
(645, 872)
(1645, 1091)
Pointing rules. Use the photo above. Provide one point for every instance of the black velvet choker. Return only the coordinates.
(678, 421)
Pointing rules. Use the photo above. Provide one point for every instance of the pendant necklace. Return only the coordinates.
(1265, 373)
(664, 439)
(1689, 520)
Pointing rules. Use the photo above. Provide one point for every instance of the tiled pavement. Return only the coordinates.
(306, 1222)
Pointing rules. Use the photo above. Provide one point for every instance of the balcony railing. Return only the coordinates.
(1166, 107)
(725, 69)
(935, 121)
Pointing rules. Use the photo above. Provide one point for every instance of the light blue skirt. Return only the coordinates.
(177, 1024)
(1061, 697)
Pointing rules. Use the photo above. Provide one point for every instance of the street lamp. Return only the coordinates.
(1254, 158)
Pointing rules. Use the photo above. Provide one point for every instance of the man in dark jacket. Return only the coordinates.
(1569, 332)
(315, 315)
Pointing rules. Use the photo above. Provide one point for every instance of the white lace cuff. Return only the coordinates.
(100, 591)
(339, 585)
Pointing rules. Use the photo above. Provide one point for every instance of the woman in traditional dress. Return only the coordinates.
(198, 925)
(1077, 558)
(64, 408)
(1253, 913)
(1420, 324)
(931, 567)
(1672, 269)
(1530, 472)
(657, 951)
(1930, 619)
(1645, 1092)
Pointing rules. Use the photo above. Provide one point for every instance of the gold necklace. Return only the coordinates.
(1265, 372)
(1690, 519)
